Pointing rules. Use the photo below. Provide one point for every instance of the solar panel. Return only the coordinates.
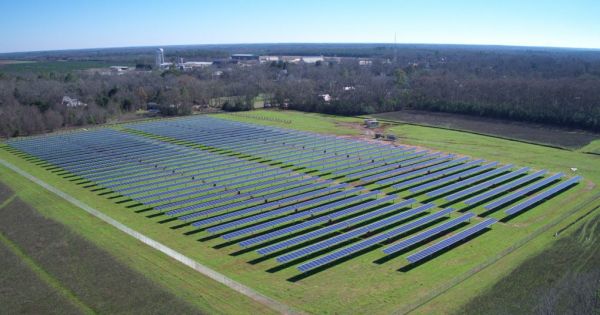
(543, 195)
(338, 239)
(321, 219)
(360, 171)
(244, 211)
(294, 198)
(372, 241)
(523, 191)
(336, 227)
(281, 211)
(501, 189)
(428, 234)
(453, 177)
(468, 181)
(405, 169)
(436, 174)
(450, 241)
(417, 171)
(484, 185)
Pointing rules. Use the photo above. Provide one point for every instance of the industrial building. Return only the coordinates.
(244, 57)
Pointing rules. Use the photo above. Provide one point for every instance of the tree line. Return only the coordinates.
(552, 87)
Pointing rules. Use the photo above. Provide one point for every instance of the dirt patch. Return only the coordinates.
(95, 277)
(542, 134)
(23, 292)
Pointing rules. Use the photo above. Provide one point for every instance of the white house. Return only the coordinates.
(72, 102)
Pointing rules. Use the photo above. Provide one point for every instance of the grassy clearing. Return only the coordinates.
(593, 147)
(360, 285)
(200, 292)
(301, 121)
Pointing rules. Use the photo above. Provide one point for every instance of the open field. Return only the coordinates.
(572, 139)
(386, 284)
(93, 277)
(593, 147)
(319, 123)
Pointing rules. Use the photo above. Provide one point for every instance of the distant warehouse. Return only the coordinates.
(244, 57)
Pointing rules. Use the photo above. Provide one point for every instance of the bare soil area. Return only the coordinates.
(542, 134)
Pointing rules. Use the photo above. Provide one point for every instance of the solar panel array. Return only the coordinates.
(441, 245)
(288, 193)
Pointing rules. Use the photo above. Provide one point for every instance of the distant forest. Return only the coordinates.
(541, 85)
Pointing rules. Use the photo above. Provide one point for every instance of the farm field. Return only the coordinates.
(572, 139)
(92, 277)
(206, 212)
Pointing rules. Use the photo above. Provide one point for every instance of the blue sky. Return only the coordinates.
(27, 25)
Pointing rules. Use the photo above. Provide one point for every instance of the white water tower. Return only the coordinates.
(160, 57)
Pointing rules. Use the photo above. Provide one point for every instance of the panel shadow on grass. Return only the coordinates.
(322, 268)
(412, 266)
(387, 258)
(510, 217)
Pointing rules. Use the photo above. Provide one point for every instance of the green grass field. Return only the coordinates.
(358, 285)
(593, 147)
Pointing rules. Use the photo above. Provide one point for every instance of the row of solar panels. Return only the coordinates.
(192, 192)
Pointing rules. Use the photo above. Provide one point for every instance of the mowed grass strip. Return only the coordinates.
(92, 275)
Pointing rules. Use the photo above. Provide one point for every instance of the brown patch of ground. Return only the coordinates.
(536, 133)
(97, 279)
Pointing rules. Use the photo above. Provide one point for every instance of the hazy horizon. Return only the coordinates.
(66, 25)
(302, 43)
